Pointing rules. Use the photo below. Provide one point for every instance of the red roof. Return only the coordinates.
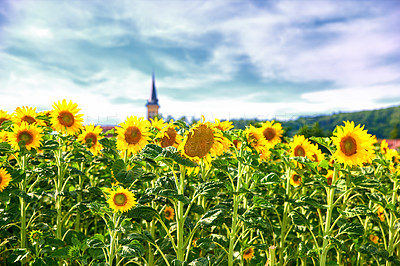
(393, 143)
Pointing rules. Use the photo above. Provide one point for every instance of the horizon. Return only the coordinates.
(227, 60)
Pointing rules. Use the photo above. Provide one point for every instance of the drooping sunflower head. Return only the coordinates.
(121, 200)
(392, 155)
(255, 139)
(248, 254)
(169, 213)
(90, 136)
(133, 135)
(381, 213)
(26, 114)
(295, 180)
(354, 145)
(374, 238)
(223, 126)
(168, 136)
(272, 131)
(65, 117)
(384, 146)
(4, 116)
(5, 179)
(315, 153)
(203, 141)
(329, 177)
(26, 134)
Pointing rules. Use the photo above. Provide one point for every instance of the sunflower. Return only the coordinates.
(65, 117)
(29, 134)
(354, 145)
(3, 136)
(248, 254)
(381, 213)
(203, 141)
(26, 114)
(121, 200)
(315, 153)
(169, 213)
(374, 239)
(295, 180)
(272, 131)
(384, 146)
(91, 136)
(223, 126)
(392, 155)
(4, 116)
(301, 147)
(35, 236)
(329, 177)
(255, 138)
(133, 135)
(5, 178)
(157, 123)
(168, 136)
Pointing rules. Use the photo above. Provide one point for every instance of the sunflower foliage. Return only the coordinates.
(168, 193)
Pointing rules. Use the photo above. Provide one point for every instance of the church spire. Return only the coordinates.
(152, 103)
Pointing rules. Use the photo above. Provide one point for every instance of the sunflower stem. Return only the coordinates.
(330, 196)
(232, 235)
(392, 219)
(180, 216)
(23, 205)
(285, 217)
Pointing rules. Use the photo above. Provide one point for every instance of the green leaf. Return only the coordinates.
(151, 151)
(173, 194)
(363, 182)
(357, 210)
(5, 147)
(133, 250)
(213, 217)
(18, 254)
(96, 241)
(310, 203)
(143, 212)
(199, 262)
(60, 253)
(299, 220)
(353, 230)
(125, 177)
(118, 166)
(50, 145)
(208, 189)
(262, 202)
(271, 178)
(173, 154)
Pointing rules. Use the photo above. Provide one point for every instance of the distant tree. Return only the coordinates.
(394, 134)
(314, 131)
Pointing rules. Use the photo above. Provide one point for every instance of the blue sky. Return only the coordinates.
(222, 59)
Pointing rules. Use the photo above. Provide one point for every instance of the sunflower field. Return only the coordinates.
(168, 193)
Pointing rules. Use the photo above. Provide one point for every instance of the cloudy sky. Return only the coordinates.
(223, 59)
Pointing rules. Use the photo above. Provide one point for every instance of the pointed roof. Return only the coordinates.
(153, 95)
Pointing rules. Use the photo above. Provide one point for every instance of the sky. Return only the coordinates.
(225, 59)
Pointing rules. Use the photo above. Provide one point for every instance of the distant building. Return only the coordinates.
(152, 104)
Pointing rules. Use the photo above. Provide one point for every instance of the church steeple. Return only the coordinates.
(152, 103)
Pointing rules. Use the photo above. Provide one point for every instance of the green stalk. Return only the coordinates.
(180, 217)
(79, 199)
(272, 259)
(392, 219)
(23, 205)
(285, 217)
(232, 235)
(330, 191)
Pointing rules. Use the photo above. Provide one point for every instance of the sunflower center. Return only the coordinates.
(91, 138)
(120, 199)
(66, 118)
(169, 140)
(269, 133)
(26, 137)
(28, 119)
(296, 178)
(348, 145)
(132, 135)
(299, 151)
(199, 142)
